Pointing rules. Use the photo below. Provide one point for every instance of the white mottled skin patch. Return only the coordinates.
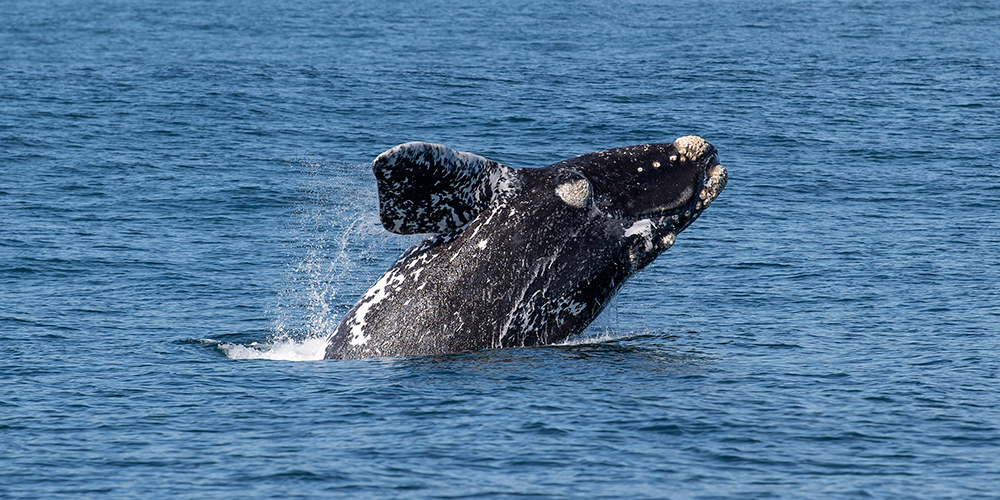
(416, 274)
(473, 182)
(642, 227)
(518, 317)
(377, 293)
(566, 306)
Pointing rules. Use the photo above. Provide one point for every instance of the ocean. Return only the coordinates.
(187, 209)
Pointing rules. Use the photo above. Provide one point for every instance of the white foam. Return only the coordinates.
(596, 337)
(279, 349)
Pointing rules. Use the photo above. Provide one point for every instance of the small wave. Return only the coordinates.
(279, 349)
(598, 337)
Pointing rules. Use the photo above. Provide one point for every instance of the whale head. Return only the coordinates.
(654, 191)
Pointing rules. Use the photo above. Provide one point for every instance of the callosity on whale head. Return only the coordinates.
(520, 257)
(660, 188)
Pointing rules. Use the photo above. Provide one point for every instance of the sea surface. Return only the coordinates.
(187, 208)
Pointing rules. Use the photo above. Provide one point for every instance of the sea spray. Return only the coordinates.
(337, 249)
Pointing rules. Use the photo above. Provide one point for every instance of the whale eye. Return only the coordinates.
(576, 193)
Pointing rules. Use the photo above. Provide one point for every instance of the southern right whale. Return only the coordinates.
(519, 257)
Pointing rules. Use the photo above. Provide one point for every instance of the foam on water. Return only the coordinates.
(279, 349)
(597, 337)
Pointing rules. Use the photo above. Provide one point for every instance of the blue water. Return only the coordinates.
(187, 209)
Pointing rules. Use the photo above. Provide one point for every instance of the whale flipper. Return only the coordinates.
(429, 188)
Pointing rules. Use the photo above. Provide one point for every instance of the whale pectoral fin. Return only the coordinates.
(429, 188)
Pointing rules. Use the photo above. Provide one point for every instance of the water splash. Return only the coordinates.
(337, 247)
(278, 348)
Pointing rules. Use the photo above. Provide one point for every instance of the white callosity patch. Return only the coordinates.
(427, 187)
(642, 228)
(667, 240)
(576, 193)
(691, 147)
(716, 181)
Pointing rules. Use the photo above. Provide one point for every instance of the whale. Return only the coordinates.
(518, 257)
